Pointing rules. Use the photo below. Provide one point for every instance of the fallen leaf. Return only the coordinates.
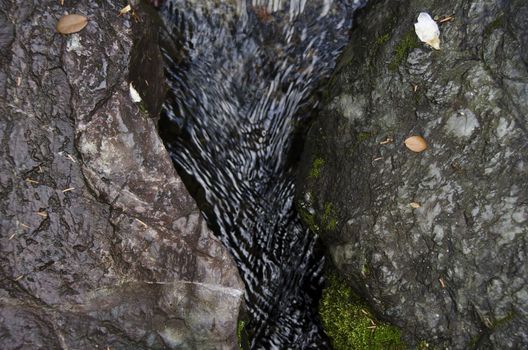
(134, 95)
(125, 9)
(416, 144)
(70, 24)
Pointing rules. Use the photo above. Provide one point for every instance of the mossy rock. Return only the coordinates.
(317, 166)
(408, 42)
(349, 323)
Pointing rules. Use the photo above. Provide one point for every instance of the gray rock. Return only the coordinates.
(453, 272)
(101, 245)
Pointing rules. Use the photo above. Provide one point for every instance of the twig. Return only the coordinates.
(446, 19)
(141, 222)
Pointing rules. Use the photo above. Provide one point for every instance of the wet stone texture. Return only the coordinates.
(101, 246)
(453, 272)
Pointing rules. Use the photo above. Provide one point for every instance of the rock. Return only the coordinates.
(101, 244)
(451, 269)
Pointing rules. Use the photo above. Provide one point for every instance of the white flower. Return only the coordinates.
(427, 30)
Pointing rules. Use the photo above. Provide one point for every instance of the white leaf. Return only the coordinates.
(134, 94)
(427, 30)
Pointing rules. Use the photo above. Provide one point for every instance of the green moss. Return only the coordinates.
(497, 23)
(242, 335)
(308, 219)
(329, 219)
(326, 220)
(382, 39)
(317, 165)
(332, 224)
(401, 51)
(349, 324)
(143, 108)
(363, 136)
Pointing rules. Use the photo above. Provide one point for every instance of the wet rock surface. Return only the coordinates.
(451, 272)
(101, 245)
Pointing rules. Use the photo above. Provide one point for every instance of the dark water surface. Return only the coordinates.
(241, 76)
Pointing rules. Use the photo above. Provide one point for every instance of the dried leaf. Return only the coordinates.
(70, 24)
(125, 9)
(416, 144)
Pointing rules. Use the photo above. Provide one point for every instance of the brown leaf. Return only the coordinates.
(70, 24)
(416, 143)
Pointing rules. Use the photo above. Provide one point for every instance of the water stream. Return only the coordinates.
(241, 76)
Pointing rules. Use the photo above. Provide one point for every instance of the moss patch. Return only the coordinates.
(401, 51)
(349, 323)
(243, 337)
(382, 39)
(364, 136)
(317, 166)
(308, 219)
(329, 219)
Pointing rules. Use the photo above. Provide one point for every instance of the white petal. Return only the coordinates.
(427, 30)
(134, 95)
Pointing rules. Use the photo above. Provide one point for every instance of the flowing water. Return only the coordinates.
(241, 78)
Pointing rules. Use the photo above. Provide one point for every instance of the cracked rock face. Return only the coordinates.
(100, 243)
(451, 272)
